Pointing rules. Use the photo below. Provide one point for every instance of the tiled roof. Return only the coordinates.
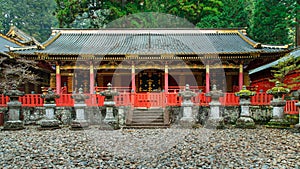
(144, 42)
(6, 41)
(295, 53)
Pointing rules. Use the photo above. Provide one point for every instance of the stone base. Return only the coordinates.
(108, 126)
(186, 124)
(245, 123)
(110, 121)
(278, 123)
(296, 128)
(217, 123)
(13, 125)
(47, 124)
(79, 125)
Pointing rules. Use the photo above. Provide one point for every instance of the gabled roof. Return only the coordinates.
(6, 41)
(295, 54)
(150, 42)
(21, 36)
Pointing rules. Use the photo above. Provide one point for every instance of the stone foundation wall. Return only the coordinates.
(260, 114)
(95, 115)
(31, 115)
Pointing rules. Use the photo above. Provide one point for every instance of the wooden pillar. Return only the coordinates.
(207, 79)
(241, 77)
(92, 78)
(58, 79)
(166, 78)
(133, 87)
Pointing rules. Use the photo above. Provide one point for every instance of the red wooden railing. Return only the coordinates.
(3, 100)
(176, 89)
(150, 100)
(291, 108)
(261, 99)
(31, 100)
(64, 100)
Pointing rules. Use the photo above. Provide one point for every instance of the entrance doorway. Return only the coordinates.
(150, 80)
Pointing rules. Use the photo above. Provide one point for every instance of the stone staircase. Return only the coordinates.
(147, 118)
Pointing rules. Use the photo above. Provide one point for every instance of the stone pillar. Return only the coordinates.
(241, 77)
(166, 78)
(58, 79)
(121, 116)
(187, 120)
(278, 104)
(14, 109)
(245, 120)
(92, 78)
(109, 103)
(215, 119)
(14, 122)
(49, 121)
(80, 121)
(207, 79)
(278, 109)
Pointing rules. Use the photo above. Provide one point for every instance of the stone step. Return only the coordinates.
(143, 118)
(147, 124)
(146, 127)
(148, 121)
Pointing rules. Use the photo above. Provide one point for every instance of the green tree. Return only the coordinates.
(271, 21)
(72, 10)
(233, 14)
(33, 17)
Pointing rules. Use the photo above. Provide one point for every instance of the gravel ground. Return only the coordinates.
(158, 148)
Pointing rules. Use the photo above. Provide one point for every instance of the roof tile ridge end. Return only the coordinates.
(254, 44)
(54, 38)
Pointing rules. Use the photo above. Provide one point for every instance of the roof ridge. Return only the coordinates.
(139, 31)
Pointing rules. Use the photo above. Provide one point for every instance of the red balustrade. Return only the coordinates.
(150, 100)
(64, 100)
(3, 100)
(261, 99)
(176, 89)
(290, 107)
(173, 99)
(31, 100)
(203, 100)
(229, 99)
(123, 99)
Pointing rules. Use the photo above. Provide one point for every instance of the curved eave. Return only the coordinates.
(48, 42)
(12, 40)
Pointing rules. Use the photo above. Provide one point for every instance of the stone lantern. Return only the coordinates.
(49, 121)
(79, 105)
(278, 104)
(14, 107)
(245, 120)
(109, 103)
(187, 118)
(215, 119)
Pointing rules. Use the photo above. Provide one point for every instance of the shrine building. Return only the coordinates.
(149, 60)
